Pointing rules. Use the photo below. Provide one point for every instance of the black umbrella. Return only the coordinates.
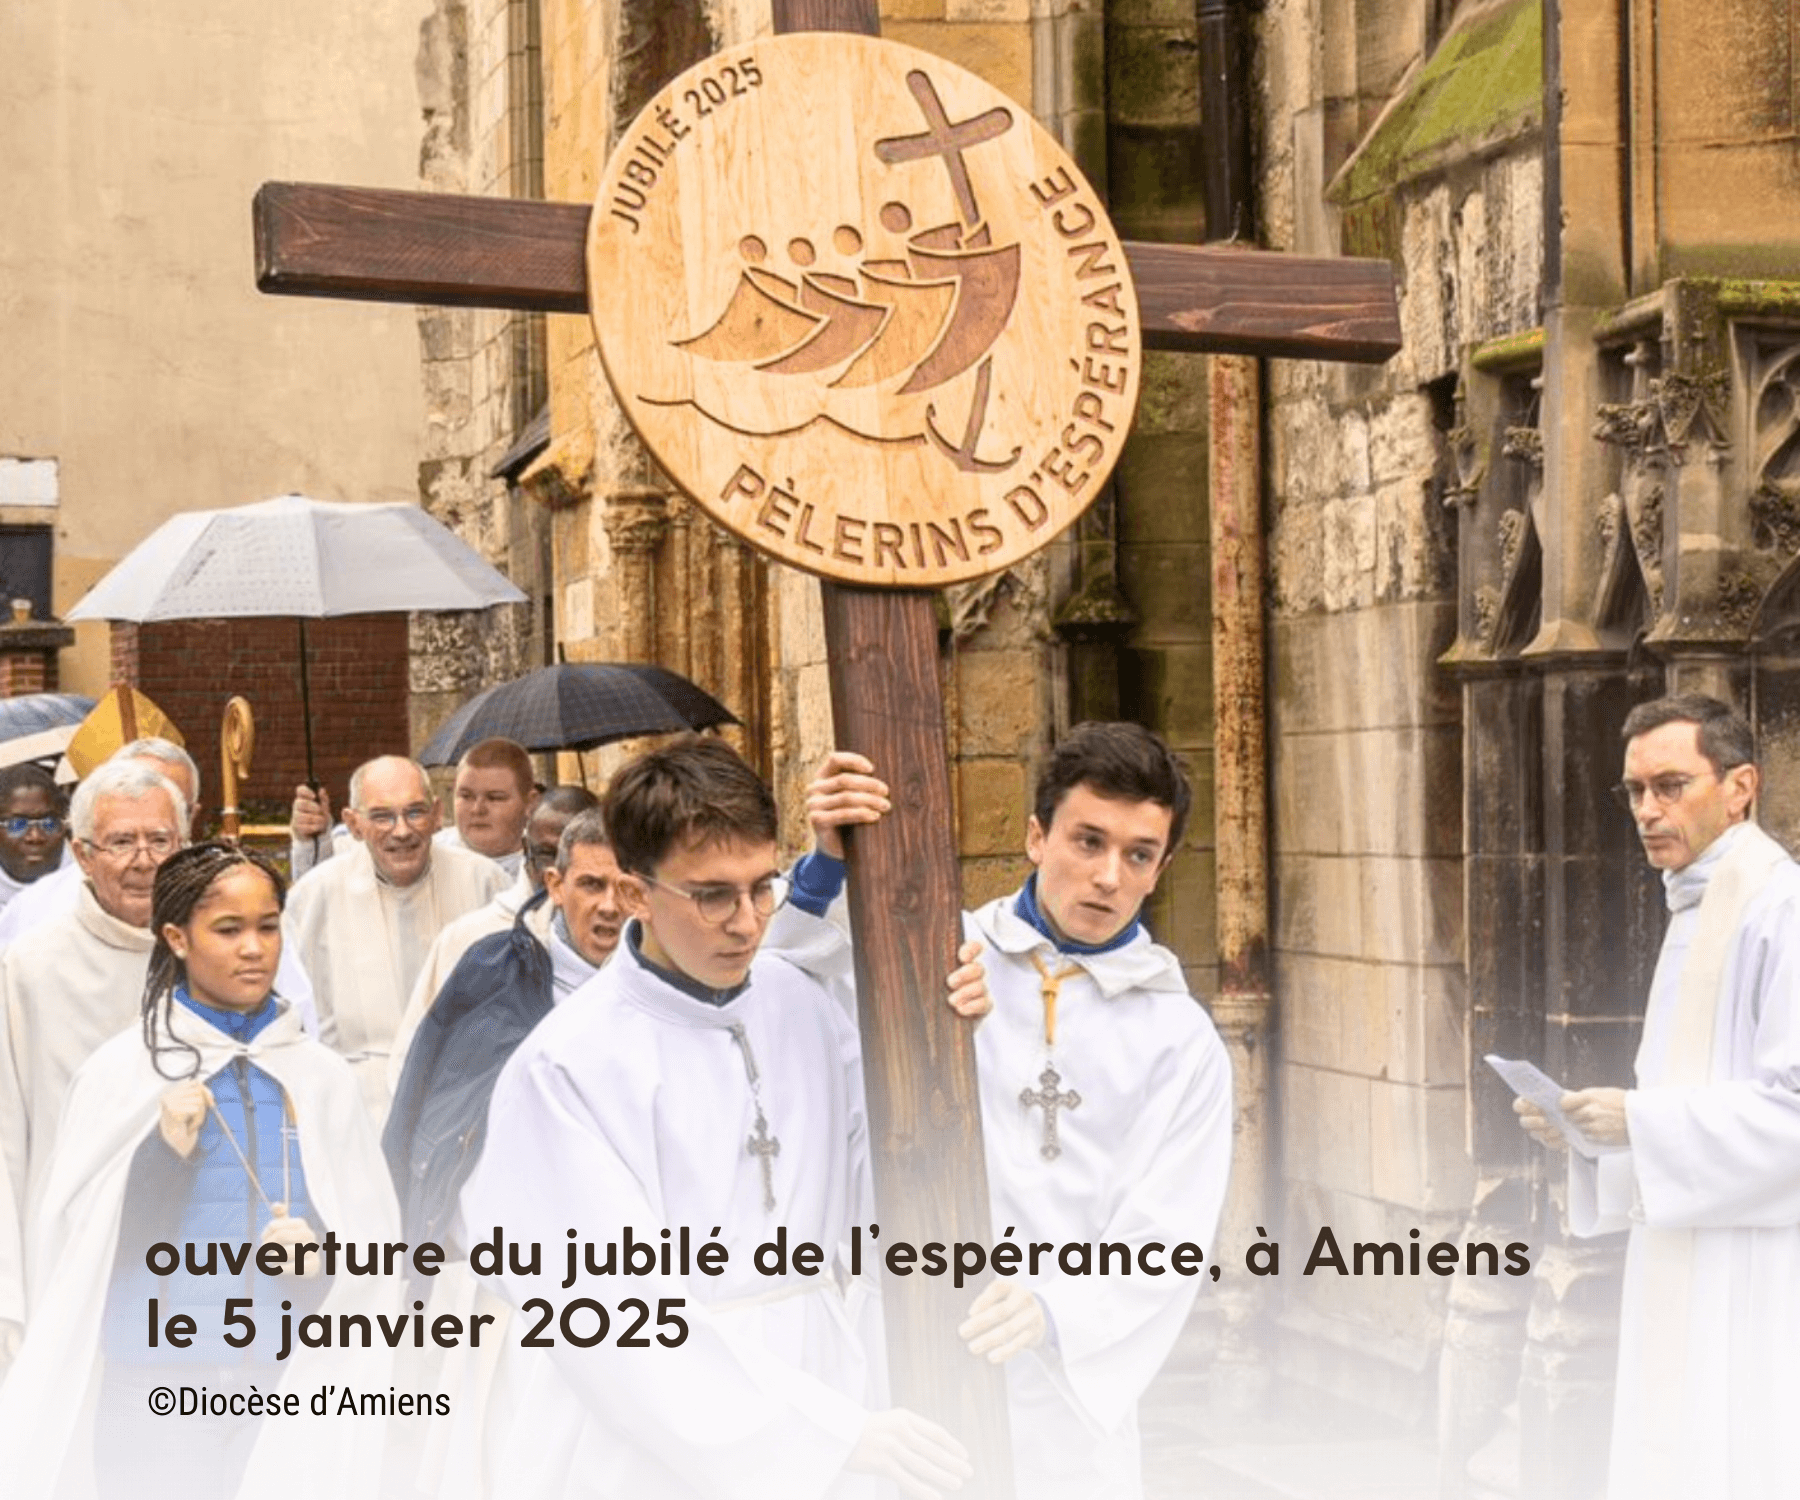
(576, 706)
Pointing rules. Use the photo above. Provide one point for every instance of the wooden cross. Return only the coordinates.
(1046, 1097)
(904, 894)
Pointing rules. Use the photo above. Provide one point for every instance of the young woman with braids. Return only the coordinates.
(216, 1125)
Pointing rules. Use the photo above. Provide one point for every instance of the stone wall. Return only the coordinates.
(1444, 177)
(479, 83)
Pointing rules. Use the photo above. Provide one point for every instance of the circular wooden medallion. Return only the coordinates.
(864, 309)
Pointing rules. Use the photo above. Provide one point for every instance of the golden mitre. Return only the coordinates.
(122, 715)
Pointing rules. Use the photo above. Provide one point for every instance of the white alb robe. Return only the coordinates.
(447, 951)
(483, 1385)
(65, 987)
(114, 1102)
(1144, 1157)
(40, 901)
(364, 942)
(1709, 1363)
(512, 862)
(630, 1105)
(10, 888)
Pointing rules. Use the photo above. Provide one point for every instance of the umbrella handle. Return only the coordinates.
(312, 777)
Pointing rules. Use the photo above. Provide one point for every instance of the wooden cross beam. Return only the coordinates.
(905, 896)
(380, 245)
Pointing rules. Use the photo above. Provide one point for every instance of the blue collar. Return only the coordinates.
(674, 978)
(239, 1025)
(1026, 908)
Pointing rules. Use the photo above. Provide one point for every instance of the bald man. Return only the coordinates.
(364, 921)
(493, 794)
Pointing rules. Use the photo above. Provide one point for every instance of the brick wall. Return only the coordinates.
(358, 675)
(24, 672)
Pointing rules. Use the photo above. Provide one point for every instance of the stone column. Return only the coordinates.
(636, 523)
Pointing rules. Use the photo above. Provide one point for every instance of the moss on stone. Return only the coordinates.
(1510, 351)
(1752, 292)
(1483, 86)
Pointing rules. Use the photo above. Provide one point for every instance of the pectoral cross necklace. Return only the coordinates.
(764, 1146)
(1047, 1096)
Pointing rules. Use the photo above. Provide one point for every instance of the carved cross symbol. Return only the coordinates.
(765, 1148)
(1050, 1101)
(945, 140)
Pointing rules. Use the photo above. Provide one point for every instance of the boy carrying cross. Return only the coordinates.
(1105, 1095)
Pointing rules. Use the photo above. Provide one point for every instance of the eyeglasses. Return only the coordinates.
(1666, 790)
(17, 828)
(540, 856)
(717, 904)
(122, 848)
(385, 819)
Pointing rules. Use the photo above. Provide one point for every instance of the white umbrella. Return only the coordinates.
(294, 556)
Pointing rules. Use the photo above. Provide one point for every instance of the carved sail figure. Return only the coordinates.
(929, 317)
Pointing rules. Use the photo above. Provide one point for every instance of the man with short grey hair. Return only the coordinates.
(74, 981)
(363, 922)
(1700, 1161)
(55, 893)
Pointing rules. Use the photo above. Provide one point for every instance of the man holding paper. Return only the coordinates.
(1708, 1180)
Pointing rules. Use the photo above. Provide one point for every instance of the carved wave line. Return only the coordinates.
(911, 441)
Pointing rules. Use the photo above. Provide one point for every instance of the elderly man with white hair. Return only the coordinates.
(54, 895)
(74, 981)
(363, 922)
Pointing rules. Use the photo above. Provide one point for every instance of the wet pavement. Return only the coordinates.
(1201, 1441)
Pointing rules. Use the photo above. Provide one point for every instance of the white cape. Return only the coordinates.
(113, 1104)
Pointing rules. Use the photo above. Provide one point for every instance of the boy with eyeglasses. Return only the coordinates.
(33, 836)
(699, 1090)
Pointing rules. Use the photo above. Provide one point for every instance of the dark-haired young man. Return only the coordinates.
(33, 828)
(1105, 1096)
(1705, 1174)
(698, 1090)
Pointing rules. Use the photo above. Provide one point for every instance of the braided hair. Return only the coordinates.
(182, 882)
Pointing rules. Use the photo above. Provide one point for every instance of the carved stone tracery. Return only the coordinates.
(1775, 435)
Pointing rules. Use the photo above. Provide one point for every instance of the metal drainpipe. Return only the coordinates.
(1243, 1008)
